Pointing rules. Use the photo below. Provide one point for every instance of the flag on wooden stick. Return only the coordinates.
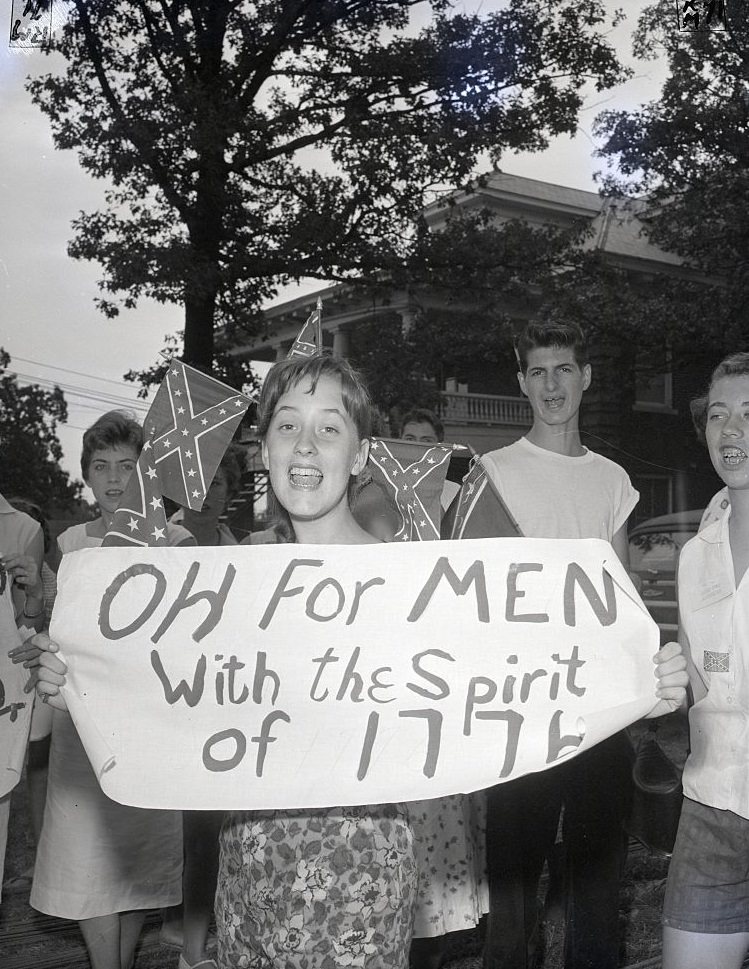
(188, 428)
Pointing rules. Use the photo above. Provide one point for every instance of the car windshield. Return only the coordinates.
(657, 550)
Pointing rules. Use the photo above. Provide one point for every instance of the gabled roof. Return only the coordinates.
(619, 231)
(515, 196)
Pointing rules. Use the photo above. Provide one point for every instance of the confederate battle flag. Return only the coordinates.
(477, 511)
(309, 341)
(411, 475)
(189, 426)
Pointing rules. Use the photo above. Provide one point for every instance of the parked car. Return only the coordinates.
(654, 548)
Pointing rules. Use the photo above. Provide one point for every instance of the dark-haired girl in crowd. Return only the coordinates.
(100, 862)
(706, 909)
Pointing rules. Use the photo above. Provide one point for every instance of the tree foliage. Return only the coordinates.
(233, 369)
(688, 152)
(251, 142)
(613, 305)
(31, 450)
(467, 283)
(473, 284)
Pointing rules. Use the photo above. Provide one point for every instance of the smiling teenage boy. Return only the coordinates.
(556, 488)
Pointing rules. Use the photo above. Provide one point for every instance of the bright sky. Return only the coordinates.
(49, 323)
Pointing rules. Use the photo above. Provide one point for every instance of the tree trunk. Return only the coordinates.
(206, 224)
(200, 311)
(203, 280)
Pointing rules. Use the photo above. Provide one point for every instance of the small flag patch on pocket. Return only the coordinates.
(715, 662)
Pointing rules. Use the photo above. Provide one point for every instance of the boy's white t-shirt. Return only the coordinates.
(553, 495)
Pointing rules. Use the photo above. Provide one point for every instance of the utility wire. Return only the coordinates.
(86, 393)
(105, 397)
(77, 373)
(652, 464)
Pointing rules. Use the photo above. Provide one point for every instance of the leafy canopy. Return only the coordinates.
(31, 450)
(689, 152)
(247, 144)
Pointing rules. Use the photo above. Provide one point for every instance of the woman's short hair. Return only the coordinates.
(288, 373)
(116, 428)
(734, 365)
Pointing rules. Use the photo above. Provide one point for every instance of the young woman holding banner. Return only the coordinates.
(706, 909)
(324, 886)
(100, 862)
(350, 900)
(307, 889)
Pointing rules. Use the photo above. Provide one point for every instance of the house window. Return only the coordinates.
(653, 380)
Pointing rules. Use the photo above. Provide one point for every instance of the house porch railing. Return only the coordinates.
(485, 409)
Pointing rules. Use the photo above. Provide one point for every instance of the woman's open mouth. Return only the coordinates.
(302, 476)
(733, 456)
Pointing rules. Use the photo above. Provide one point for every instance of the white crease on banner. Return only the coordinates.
(294, 676)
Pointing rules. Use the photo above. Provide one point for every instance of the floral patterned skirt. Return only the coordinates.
(335, 887)
(450, 834)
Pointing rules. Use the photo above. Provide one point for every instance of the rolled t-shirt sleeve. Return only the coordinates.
(626, 501)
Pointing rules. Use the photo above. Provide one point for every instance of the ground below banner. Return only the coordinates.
(29, 940)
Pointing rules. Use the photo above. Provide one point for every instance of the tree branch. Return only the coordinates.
(148, 155)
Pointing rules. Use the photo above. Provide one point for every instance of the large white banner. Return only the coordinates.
(295, 676)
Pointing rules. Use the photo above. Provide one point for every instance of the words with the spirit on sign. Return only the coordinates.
(277, 676)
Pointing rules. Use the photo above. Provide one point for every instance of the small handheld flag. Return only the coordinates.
(140, 518)
(309, 340)
(411, 475)
(188, 427)
(478, 511)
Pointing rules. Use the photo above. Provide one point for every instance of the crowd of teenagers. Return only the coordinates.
(380, 886)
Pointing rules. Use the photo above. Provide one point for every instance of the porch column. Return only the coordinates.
(341, 342)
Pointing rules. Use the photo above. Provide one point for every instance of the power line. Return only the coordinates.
(72, 404)
(49, 382)
(637, 457)
(77, 373)
(87, 393)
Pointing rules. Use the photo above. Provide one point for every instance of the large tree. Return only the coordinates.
(31, 450)
(688, 152)
(250, 143)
